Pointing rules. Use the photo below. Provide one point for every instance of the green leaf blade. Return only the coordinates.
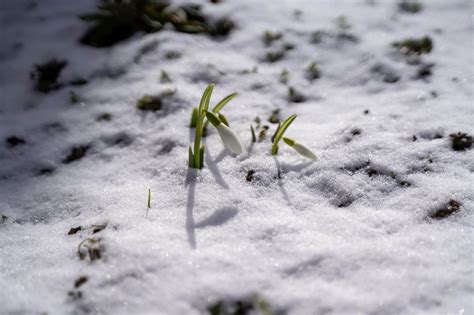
(223, 102)
(206, 97)
(280, 131)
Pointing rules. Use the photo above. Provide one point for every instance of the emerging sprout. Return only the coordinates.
(280, 131)
(269, 37)
(342, 22)
(194, 117)
(301, 149)
(284, 76)
(149, 198)
(198, 121)
(228, 136)
(254, 138)
(164, 77)
(295, 96)
(196, 157)
(313, 72)
(215, 110)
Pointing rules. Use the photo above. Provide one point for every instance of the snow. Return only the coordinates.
(318, 237)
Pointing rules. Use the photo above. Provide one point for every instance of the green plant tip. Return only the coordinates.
(213, 119)
(149, 198)
(289, 141)
(254, 138)
(194, 117)
(280, 131)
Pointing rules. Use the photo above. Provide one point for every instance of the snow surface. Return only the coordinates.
(324, 237)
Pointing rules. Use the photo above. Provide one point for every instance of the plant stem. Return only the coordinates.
(197, 141)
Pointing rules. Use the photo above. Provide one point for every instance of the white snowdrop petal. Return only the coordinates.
(304, 151)
(229, 138)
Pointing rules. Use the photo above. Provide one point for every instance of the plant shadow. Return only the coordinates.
(212, 165)
(191, 177)
(218, 217)
(280, 181)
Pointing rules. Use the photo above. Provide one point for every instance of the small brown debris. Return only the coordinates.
(77, 153)
(80, 281)
(74, 230)
(75, 295)
(13, 141)
(90, 247)
(263, 133)
(98, 227)
(452, 207)
(461, 141)
(249, 176)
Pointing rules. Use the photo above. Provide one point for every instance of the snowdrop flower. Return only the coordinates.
(301, 149)
(228, 136)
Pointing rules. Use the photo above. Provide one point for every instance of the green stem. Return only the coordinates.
(197, 141)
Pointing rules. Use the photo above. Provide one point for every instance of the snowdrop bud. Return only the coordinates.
(230, 139)
(301, 149)
(227, 135)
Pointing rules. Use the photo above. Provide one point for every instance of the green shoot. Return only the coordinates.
(198, 152)
(273, 136)
(254, 138)
(223, 102)
(313, 72)
(280, 131)
(218, 108)
(262, 305)
(164, 77)
(200, 122)
(194, 117)
(149, 198)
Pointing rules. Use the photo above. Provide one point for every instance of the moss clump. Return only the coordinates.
(295, 96)
(275, 116)
(148, 102)
(312, 72)
(284, 76)
(460, 141)
(269, 37)
(117, 20)
(410, 6)
(413, 46)
(317, 36)
(274, 56)
(104, 117)
(46, 75)
(164, 77)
